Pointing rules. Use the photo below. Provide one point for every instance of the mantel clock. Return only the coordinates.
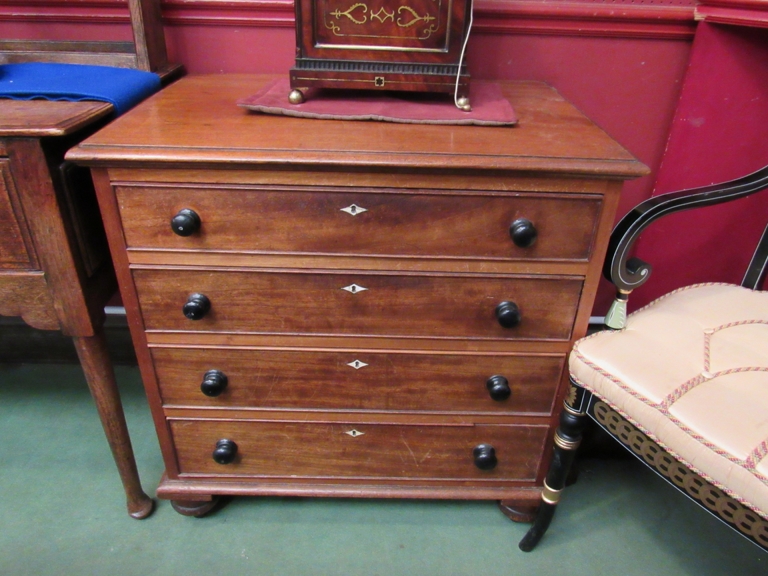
(408, 45)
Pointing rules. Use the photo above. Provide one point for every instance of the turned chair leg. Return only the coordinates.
(567, 440)
(100, 375)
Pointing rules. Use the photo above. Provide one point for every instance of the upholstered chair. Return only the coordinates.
(683, 382)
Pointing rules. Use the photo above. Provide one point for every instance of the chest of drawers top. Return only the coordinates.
(197, 121)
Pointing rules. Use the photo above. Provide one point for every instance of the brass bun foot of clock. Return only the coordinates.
(297, 96)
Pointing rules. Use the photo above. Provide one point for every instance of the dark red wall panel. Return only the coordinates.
(620, 61)
(719, 133)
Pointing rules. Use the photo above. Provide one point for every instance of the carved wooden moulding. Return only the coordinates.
(410, 45)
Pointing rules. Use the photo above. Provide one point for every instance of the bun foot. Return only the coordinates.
(518, 513)
(141, 507)
(196, 508)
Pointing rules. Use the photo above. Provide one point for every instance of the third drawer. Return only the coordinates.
(357, 380)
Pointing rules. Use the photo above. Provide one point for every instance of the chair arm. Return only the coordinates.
(628, 273)
(758, 266)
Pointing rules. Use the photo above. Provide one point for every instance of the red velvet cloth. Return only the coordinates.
(489, 107)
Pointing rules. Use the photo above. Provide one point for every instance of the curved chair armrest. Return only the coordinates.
(758, 266)
(628, 273)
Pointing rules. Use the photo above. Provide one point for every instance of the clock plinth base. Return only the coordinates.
(374, 76)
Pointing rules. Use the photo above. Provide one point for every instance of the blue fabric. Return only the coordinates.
(123, 87)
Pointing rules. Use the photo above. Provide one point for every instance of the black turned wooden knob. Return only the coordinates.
(523, 232)
(225, 451)
(498, 387)
(485, 457)
(508, 314)
(185, 223)
(214, 383)
(197, 306)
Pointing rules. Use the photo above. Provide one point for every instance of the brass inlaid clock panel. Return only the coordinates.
(395, 24)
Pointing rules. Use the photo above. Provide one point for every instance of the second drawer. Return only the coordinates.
(357, 380)
(363, 304)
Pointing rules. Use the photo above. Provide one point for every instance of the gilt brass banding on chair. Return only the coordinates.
(550, 495)
(572, 410)
(566, 444)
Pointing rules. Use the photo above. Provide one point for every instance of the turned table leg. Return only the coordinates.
(94, 358)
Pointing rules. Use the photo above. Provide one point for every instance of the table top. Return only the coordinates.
(41, 118)
(196, 121)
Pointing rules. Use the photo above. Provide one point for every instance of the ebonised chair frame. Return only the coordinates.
(628, 273)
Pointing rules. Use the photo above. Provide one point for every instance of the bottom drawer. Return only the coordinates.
(352, 450)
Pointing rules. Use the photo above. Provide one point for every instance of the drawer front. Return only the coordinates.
(323, 450)
(326, 222)
(13, 250)
(357, 380)
(297, 302)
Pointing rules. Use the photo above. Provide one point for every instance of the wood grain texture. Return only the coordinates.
(386, 221)
(275, 256)
(16, 249)
(26, 294)
(552, 136)
(198, 487)
(159, 339)
(40, 118)
(284, 449)
(416, 47)
(324, 380)
(54, 270)
(54, 237)
(94, 358)
(305, 302)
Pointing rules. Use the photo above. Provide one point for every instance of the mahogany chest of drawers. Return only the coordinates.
(327, 308)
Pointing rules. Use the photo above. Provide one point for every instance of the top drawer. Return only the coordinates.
(367, 222)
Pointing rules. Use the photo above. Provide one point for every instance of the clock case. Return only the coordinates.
(401, 45)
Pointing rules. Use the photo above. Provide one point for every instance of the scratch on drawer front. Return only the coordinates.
(415, 460)
(275, 380)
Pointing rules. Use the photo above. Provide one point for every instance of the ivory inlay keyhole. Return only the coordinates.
(354, 288)
(354, 209)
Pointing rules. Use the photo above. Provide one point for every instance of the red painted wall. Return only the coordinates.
(720, 132)
(622, 63)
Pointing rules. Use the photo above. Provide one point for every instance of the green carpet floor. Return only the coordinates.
(63, 513)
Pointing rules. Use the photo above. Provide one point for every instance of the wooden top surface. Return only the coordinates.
(197, 121)
(39, 118)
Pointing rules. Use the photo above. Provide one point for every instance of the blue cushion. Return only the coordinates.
(122, 87)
